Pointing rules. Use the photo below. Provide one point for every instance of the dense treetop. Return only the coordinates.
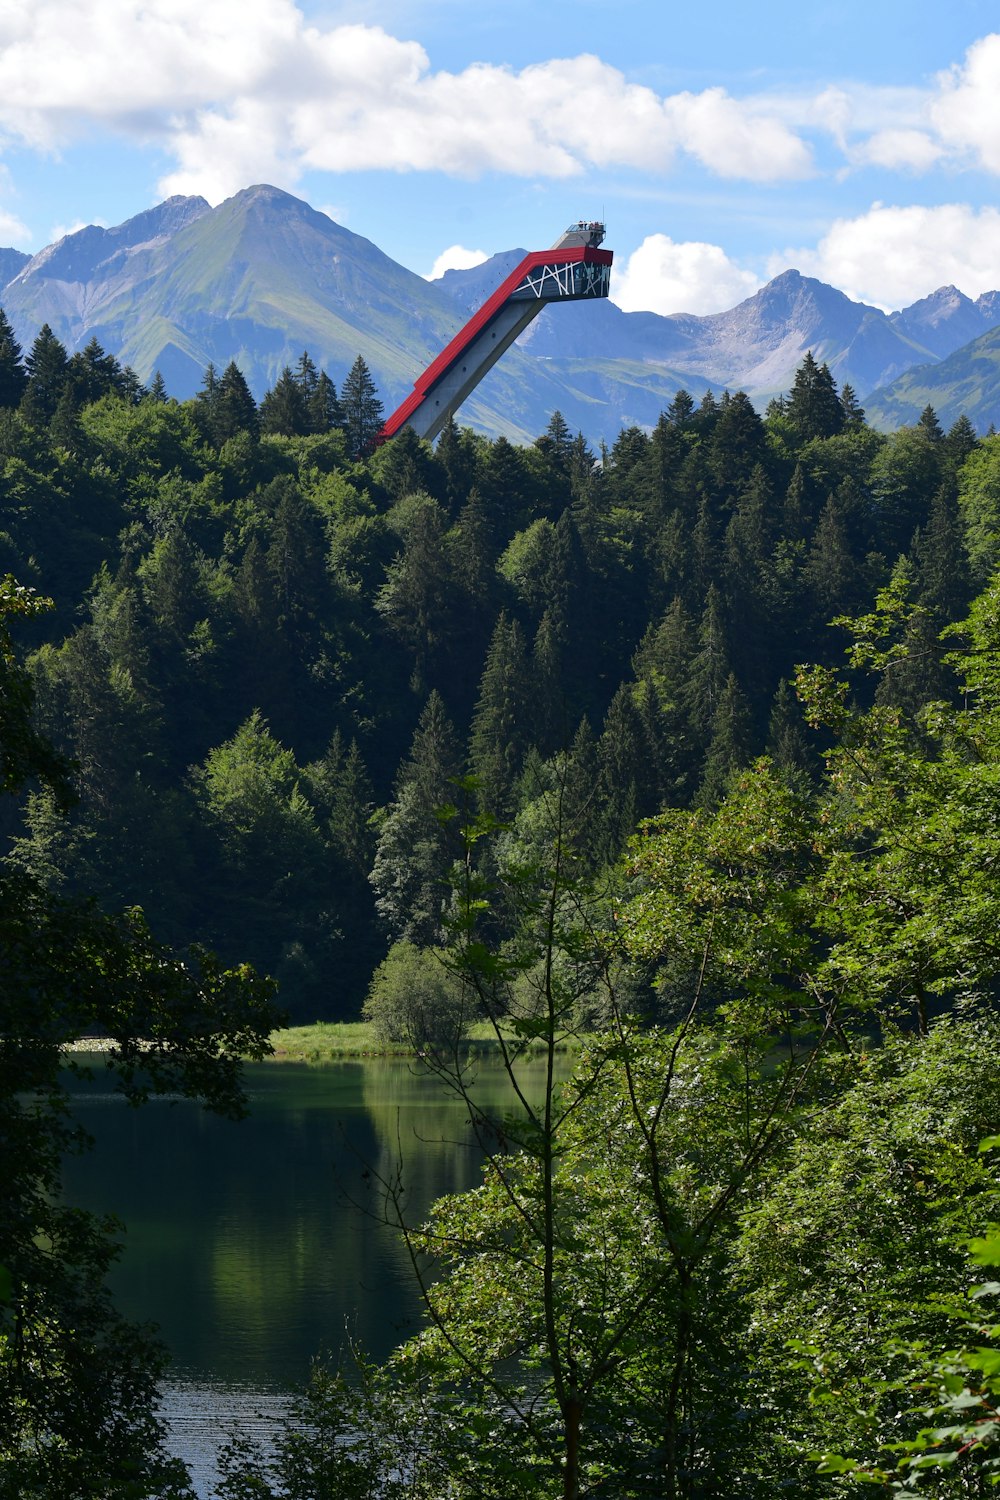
(256, 612)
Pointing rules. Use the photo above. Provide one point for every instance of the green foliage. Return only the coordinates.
(414, 998)
(202, 574)
(78, 1384)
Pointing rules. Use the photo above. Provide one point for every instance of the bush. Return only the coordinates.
(414, 998)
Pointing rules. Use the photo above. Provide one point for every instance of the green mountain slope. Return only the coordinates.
(264, 276)
(965, 382)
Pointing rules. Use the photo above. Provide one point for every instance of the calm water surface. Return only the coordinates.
(255, 1246)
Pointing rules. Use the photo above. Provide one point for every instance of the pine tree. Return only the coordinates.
(158, 389)
(711, 668)
(814, 408)
(283, 410)
(306, 378)
(830, 573)
(46, 367)
(929, 423)
(363, 415)
(325, 411)
(731, 743)
(854, 413)
(234, 408)
(456, 453)
(416, 848)
(680, 412)
(93, 373)
(786, 738)
(499, 740)
(13, 376)
(960, 442)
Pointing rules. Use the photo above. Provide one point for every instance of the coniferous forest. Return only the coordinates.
(685, 753)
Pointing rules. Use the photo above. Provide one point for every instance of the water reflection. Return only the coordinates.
(256, 1245)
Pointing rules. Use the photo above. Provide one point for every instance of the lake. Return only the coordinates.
(255, 1246)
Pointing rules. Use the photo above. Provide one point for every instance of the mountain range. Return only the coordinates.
(264, 276)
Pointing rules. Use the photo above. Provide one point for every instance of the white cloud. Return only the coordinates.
(456, 258)
(965, 112)
(735, 140)
(665, 277)
(891, 256)
(249, 90)
(13, 234)
(894, 149)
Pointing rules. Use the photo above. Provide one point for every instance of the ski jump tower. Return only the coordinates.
(574, 270)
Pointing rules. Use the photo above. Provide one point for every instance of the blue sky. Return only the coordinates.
(721, 142)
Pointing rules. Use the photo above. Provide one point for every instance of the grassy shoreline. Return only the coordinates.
(330, 1041)
(336, 1041)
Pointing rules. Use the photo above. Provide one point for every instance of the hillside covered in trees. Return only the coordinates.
(273, 650)
(386, 723)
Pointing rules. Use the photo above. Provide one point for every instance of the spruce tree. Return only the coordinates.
(738, 445)
(499, 740)
(506, 486)
(711, 668)
(13, 376)
(363, 414)
(960, 441)
(854, 413)
(456, 453)
(549, 717)
(680, 412)
(556, 443)
(283, 411)
(814, 408)
(943, 583)
(731, 743)
(205, 401)
(831, 573)
(234, 408)
(324, 410)
(928, 422)
(306, 378)
(46, 367)
(93, 373)
(416, 848)
(786, 739)
(65, 430)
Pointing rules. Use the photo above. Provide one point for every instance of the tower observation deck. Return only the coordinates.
(575, 269)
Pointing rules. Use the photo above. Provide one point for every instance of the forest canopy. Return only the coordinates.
(273, 648)
(684, 756)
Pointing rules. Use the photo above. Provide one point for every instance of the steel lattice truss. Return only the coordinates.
(550, 282)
